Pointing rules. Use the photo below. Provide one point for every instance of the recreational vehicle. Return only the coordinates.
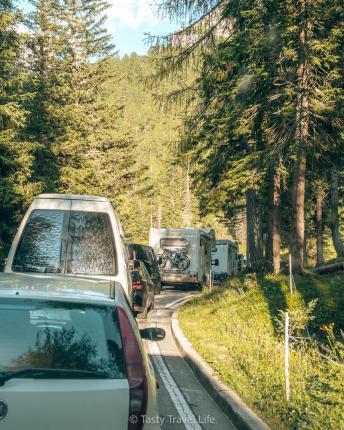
(225, 259)
(184, 254)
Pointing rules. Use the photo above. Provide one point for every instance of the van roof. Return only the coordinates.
(62, 196)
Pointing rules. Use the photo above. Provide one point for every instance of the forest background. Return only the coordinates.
(235, 122)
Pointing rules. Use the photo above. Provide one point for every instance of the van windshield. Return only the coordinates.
(38, 334)
(73, 242)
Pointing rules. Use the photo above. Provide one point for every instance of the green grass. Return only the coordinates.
(235, 329)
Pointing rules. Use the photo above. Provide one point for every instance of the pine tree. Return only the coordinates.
(45, 51)
(268, 89)
(84, 70)
(16, 154)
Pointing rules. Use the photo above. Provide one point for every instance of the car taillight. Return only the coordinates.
(137, 285)
(135, 371)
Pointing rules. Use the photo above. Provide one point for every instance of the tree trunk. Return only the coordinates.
(251, 230)
(276, 223)
(260, 237)
(334, 217)
(298, 237)
(301, 137)
(159, 215)
(187, 213)
(268, 245)
(273, 248)
(305, 250)
(319, 227)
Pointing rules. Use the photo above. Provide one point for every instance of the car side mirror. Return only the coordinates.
(215, 262)
(153, 333)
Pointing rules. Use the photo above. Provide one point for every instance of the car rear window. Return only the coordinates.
(91, 248)
(145, 254)
(137, 252)
(74, 242)
(173, 242)
(40, 248)
(58, 335)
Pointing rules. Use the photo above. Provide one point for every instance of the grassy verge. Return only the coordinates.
(237, 330)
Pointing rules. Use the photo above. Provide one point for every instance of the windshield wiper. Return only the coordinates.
(53, 374)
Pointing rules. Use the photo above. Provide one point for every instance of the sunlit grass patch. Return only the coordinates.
(236, 329)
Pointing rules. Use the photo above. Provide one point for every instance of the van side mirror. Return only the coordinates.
(153, 333)
(215, 262)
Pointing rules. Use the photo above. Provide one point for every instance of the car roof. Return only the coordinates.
(61, 287)
(62, 196)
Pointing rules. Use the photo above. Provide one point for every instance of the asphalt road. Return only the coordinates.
(183, 402)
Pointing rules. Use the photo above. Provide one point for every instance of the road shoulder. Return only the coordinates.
(227, 399)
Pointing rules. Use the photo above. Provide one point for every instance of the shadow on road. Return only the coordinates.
(180, 287)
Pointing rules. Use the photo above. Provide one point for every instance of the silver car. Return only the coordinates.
(71, 356)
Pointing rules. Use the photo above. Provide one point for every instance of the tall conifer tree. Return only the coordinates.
(15, 152)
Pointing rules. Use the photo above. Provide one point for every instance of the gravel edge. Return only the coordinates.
(242, 416)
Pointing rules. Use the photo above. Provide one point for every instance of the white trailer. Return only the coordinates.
(225, 259)
(184, 254)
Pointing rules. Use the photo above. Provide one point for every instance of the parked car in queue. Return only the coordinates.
(72, 357)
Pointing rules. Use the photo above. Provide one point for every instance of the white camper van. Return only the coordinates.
(225, 259)
(71, 234)
(184, 254)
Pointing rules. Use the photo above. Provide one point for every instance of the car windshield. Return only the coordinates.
(75, 242)
(57, 335)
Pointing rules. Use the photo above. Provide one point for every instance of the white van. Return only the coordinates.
(71, 234)
(225, 259)
(184, 254)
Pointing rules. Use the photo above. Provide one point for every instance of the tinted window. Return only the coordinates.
(50, 335)
(145, 254)
(138, 252)
(56, 241)
(91, 249)
(40, 247)
(178, 242)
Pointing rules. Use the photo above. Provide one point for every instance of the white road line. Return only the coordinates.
(187, 416)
